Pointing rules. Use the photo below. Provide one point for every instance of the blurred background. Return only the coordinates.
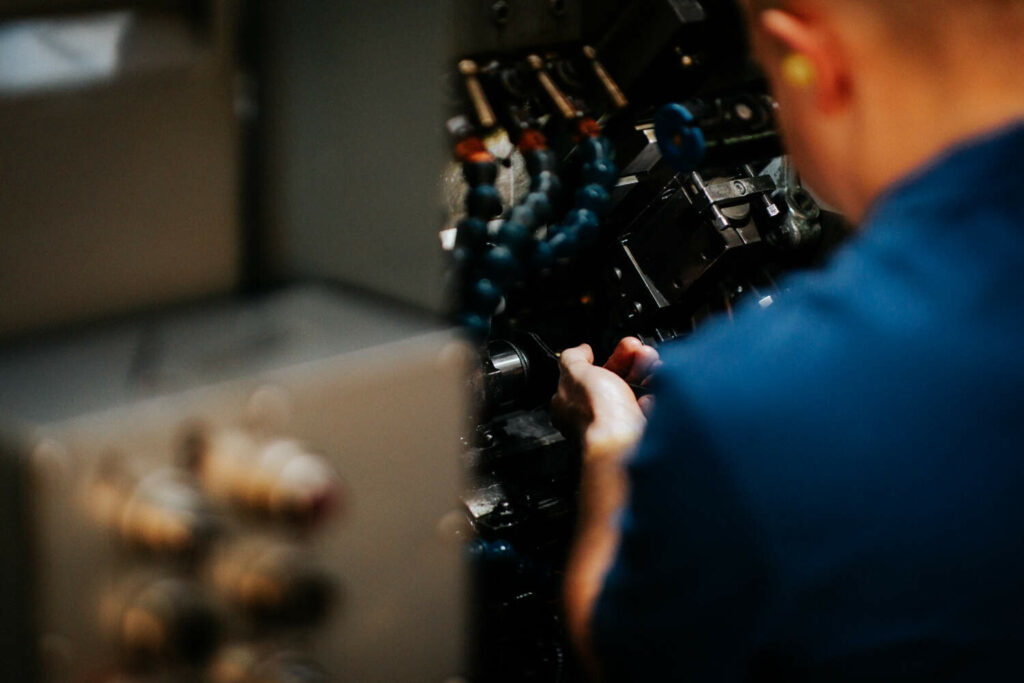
(220, 342)
(160, 152)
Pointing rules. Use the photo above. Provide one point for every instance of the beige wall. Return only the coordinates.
(121, 195)
(355, 149)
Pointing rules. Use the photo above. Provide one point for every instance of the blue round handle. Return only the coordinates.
(681, 141)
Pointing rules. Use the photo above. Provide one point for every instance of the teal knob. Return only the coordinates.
(515, 236)
(594, 198)
(593, 149)
(483, 202)
(601, 172)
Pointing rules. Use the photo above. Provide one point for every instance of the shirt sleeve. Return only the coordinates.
(682, 598)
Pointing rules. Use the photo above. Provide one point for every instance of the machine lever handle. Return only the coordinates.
(614, 91)
(562, 103)
(484, 112)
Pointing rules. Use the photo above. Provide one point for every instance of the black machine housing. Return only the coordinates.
(676, 247)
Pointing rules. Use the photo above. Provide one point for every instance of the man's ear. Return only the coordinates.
(808, 58)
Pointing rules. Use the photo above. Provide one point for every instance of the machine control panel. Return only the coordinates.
(282, 527)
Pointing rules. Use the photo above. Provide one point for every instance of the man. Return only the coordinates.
(833, 489)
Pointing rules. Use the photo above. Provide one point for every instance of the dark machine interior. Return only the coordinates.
(606, 233)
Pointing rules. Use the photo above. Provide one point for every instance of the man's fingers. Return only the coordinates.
(622, 358)
(644, 362)
(570, 406)
(646, 404)
(632, 360)
(578, 354)
(651, 372)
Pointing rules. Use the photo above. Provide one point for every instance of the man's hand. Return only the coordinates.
(597, 403)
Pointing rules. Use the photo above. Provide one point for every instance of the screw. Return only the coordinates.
(500, 11)
(803, 200)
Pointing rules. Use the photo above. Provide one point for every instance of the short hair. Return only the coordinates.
(920, 10)
(914, 20)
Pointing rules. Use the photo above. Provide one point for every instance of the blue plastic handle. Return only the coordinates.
(681, 141)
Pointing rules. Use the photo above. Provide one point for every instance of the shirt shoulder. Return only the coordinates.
(831, 424)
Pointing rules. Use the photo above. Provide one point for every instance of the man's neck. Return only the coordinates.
(969, 89)
(926, 128)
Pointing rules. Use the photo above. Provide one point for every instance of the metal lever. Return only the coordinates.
(769, 206)
(562, 102)
(484, 113)
(614, 91)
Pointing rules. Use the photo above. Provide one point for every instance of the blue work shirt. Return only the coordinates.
(832, 488)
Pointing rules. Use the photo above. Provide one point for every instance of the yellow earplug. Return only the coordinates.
(798, 70)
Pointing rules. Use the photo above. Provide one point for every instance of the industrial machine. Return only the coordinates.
(235, 494)
(617, 171)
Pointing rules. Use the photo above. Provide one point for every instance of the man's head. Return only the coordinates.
(870, 89)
